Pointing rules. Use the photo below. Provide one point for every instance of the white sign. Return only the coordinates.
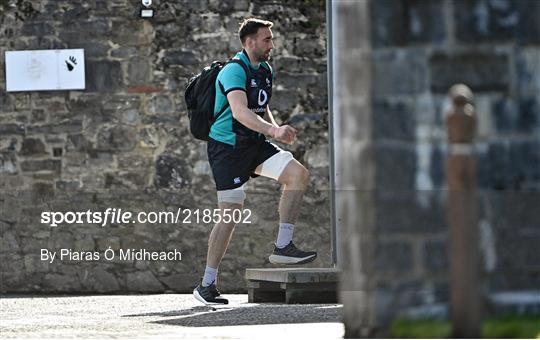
(43, 70)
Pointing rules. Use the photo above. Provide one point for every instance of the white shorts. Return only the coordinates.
(273, 168)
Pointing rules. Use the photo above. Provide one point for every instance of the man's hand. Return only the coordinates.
(238, 102)
(285, 134)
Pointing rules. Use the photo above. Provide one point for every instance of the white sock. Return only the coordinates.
(284, 235)
(210, 276)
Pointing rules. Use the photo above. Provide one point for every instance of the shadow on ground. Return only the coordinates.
(252, 314)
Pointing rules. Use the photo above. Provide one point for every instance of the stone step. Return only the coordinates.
(292, 285)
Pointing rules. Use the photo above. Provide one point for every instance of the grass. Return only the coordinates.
(512, 327)
(524, 327)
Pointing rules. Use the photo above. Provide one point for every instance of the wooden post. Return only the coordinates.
(465, 287)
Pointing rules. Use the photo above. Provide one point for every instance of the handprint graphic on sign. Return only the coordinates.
(71, 63)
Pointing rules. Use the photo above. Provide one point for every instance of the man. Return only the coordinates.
(237, 150)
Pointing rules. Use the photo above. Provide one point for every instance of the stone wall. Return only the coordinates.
(124, 141)
(420, 49)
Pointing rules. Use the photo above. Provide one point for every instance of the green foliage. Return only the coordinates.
(404, 328)
(503, 327)
(512, 327)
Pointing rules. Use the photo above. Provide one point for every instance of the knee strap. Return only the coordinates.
(273, 167)
(236, 195)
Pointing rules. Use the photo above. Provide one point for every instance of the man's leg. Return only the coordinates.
(295, 178)
(220, 237)
(218, 242)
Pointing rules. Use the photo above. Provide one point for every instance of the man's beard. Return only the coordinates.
(263, 57)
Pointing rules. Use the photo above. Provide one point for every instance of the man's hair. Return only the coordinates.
(250, 26)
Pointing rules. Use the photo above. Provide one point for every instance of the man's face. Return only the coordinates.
(262, 44)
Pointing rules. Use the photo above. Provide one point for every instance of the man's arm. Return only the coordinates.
(269, 117)
(238, 102)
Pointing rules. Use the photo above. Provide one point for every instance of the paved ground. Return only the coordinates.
(162, 316)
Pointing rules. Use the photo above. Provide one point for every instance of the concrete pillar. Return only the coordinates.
(354, 164)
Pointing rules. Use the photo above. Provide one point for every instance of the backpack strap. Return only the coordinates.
(248, 69)
(248, 74)
(244, 66)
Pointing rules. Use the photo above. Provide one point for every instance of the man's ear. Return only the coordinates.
(250, 40)
(247, 42)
